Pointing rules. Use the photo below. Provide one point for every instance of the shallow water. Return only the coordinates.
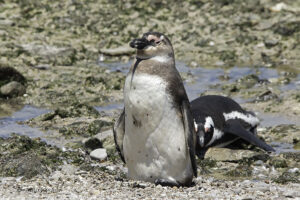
(202, 78)
(268, 119)
(14, 124)
(196, 81)
(9, 124)
(281, 147)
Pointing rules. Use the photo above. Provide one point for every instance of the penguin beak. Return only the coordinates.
(200, 135)
(139, 43)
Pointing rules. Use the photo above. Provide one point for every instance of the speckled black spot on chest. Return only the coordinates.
(136, 122)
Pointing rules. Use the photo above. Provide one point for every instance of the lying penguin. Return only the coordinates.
(220, 121)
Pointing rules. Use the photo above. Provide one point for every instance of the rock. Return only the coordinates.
(51, 54)
(278, 7)
(287, 176)
(76, 109)
(224, 154)
(120, 51)
(28, 165)
(68, 169)
(8, 74)
(241, 170)
(42, 67)
(99, 154)
(6, 22)
(12, 89)
(92, 143)
(101, 140)
(278, 162)
(293, 170)
(266, 24)
(11, 82)
(266, 96)
(287, 28)
(104, 135)
(56, 175)
(270, 42)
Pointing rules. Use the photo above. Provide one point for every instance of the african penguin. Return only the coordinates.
(155, 133)
(219, 121)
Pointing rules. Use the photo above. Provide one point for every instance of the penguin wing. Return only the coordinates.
(119, 131)
(189, 132)
(234, 127)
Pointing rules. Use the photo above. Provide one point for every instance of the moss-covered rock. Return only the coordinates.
(278, 162)
(12, 89)
(240, 171)
(225, 154)
(287, 177)
(287, 28)
(12, 82)
(23, 156)
(9, 74)
(85, 129)
(76, 109)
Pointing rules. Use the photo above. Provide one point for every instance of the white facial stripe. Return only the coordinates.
(250, 119)
(201, 139)
(161, 59)
(209, 122)
(152, 37)
(216, 135)
(195, 125)
(161, 37)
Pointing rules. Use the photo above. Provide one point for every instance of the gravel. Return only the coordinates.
(106, 185)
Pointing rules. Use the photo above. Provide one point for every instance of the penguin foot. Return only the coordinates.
(164, 182)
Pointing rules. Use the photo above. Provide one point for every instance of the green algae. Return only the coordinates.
(22, 156)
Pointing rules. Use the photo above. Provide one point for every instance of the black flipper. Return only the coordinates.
(234, 127)
(190, 134)
(119, 131)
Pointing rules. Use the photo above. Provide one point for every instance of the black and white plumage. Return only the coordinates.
(219, 121)
(155, 133)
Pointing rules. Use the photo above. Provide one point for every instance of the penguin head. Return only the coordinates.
(204, 133)
(152, 44)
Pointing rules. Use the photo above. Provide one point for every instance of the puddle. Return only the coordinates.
(117, 66)
(13, 124)
(274, 119)
(283, 147)
(202, 78)
(109, 109)
(10, 124)
(26, 113)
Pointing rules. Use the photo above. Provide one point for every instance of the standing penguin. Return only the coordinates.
(220, 121)
(155, 133)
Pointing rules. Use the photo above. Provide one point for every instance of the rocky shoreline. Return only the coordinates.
(70, 59)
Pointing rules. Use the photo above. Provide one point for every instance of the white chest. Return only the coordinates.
(146, 101)
(154, 142)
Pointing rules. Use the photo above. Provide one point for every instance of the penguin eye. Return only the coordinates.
(152, 41)
(157, 42)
